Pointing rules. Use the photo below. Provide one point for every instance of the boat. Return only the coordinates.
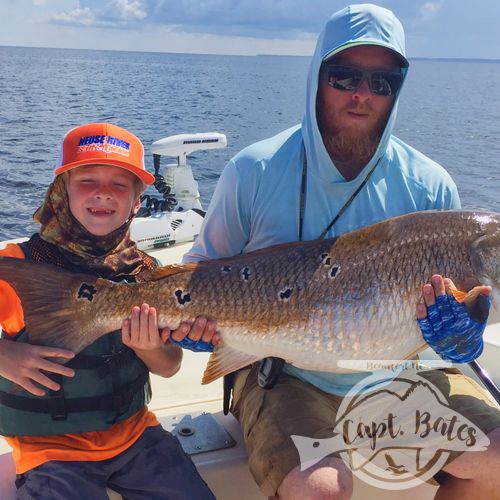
(191, 411)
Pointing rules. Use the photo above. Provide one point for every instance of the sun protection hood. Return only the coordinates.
(363, 24)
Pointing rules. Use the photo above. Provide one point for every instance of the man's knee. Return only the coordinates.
(328, 479)
(473, 475)
(477, 464)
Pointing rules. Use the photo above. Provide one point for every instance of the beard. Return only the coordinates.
(347, 144)
(343, 146)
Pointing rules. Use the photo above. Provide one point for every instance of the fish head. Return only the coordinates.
(485, 259)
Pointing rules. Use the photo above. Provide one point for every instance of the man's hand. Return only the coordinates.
(201, 336)
(25, 364)
(453, 329)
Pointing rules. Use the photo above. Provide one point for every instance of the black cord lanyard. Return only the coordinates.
(270, 368)
(303, 186)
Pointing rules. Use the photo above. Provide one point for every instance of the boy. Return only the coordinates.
(80, 427)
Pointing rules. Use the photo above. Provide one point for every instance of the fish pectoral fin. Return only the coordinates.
(225, 360)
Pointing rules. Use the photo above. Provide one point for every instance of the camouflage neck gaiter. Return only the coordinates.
(109, 256)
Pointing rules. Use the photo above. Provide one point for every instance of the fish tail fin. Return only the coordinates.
(58, 305)
(225, 360)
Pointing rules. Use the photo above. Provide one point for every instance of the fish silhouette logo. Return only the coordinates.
(394, 434)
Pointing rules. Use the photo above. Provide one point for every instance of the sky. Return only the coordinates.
(434, 28)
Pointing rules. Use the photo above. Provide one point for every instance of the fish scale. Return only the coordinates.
(312, 303)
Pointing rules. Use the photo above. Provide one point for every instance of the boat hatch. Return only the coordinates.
(198, 432)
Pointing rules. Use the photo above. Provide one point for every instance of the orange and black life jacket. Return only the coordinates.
(110, 384)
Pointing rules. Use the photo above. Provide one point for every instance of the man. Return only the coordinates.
(342, 169)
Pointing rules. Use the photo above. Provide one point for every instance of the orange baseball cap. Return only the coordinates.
(103, 144)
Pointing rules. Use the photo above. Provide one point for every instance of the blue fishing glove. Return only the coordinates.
(193, 345)
(451, 332)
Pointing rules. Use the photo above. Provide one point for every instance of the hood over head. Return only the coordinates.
(363, 24)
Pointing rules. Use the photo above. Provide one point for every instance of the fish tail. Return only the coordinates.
(59, 306)
(225, 360)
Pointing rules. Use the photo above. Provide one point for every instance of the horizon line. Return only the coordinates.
(428, 58)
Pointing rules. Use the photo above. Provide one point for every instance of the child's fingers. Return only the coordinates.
(152, 326)
(31, 387)
(126, 331)
(135, 319)
(54, 352)
(42, 379)
(143, 330)
(51, 367)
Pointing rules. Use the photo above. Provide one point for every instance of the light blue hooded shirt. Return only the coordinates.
(256, 201)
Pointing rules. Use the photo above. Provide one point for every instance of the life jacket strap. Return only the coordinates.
(59, 407)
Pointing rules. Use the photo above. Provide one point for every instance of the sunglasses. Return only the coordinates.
(349, 78)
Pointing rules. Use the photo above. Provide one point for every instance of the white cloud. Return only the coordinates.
(128, 10)
(260, 18)
(429, 10)
(266, 19)
(240, 26)
(110, 14)
(76, 17)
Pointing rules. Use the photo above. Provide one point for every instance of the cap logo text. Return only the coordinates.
(105, 143)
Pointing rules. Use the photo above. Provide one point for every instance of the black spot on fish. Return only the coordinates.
(285, 294)
(225, 269)
(334, 271)
(182, 297)
(87, 292)
(326, 259)
(245, 273)
(315, 444)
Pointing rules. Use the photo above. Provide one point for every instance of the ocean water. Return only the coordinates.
(448, 110)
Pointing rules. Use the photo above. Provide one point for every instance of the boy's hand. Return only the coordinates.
(201, 336)
(453, 329)
(140, 332)
(25, 364)
(152, 346)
